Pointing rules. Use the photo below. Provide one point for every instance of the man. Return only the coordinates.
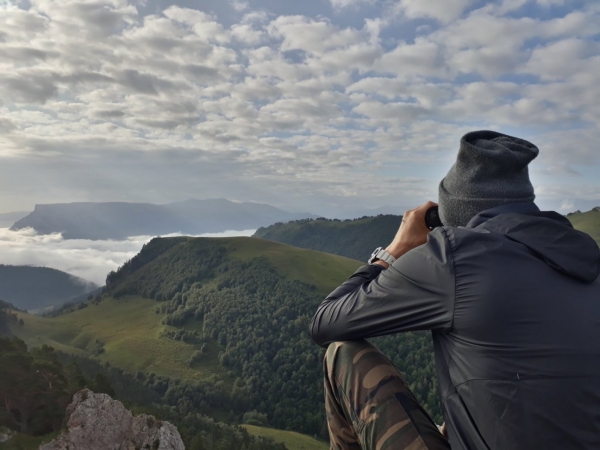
(512, 297)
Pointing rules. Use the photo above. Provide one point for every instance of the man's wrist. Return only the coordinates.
(397, 250)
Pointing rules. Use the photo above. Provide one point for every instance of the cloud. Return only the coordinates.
(90, 260)
(341, 4)
(566, 206)
(442, 10)
(108, 100)
(239, 5)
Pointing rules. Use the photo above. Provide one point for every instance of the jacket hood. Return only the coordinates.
(552, 238)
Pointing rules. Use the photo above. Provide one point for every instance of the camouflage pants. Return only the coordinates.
(369, 405)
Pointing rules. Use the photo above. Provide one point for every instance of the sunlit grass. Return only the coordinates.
(324, 270)
(128, 329)
(291, 439)
(588, 222)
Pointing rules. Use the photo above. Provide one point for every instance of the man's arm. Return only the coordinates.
(415, 293)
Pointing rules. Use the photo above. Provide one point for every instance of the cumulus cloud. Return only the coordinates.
(90, 260)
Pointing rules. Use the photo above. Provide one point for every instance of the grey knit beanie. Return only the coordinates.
(490, 170)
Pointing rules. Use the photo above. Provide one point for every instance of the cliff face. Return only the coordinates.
(97, 422)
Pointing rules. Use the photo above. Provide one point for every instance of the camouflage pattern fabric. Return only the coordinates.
(369, 404)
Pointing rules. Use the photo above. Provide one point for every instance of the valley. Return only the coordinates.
(218, 327)
(227, 317)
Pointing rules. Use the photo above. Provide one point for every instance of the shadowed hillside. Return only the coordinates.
(351, 238)
(32, 288)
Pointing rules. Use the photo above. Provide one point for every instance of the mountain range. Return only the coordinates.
(99, 221)
(35, 288)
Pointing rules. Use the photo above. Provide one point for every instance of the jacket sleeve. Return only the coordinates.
(416, 292)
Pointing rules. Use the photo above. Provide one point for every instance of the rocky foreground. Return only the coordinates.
(97, 422)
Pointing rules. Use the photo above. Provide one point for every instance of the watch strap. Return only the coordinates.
(383, 255)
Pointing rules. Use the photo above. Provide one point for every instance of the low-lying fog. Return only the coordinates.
(91, 260)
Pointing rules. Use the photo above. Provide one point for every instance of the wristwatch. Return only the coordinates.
(382, 254)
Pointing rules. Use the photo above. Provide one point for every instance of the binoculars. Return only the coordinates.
(432, 218)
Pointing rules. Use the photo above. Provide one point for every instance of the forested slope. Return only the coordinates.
(351, 238)
(238, 308)
(37, 384)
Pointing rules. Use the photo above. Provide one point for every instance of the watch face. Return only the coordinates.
(374, 254)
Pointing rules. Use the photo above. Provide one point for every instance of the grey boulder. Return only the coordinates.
(97, 422)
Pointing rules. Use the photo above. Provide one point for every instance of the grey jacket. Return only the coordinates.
(513, 302)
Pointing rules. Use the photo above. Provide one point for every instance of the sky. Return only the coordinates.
(316, 105)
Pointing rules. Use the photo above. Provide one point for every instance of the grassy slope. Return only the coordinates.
(589, 222)
(25, 442)
(324, 270)
(291, 439)
(129, 329)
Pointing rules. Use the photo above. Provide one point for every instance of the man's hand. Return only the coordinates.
(412, 233)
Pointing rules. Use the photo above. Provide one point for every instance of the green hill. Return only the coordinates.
(588, 222)
(291, 439)
(228, 317)
(32, 288)
(351, 238)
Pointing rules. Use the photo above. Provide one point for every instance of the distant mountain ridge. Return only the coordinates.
(359, 237)
(121, 220)
(393, 210)
(32, 288)
(354, 239)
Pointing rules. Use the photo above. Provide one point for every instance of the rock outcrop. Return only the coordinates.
(5, 435)
(97, 422)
